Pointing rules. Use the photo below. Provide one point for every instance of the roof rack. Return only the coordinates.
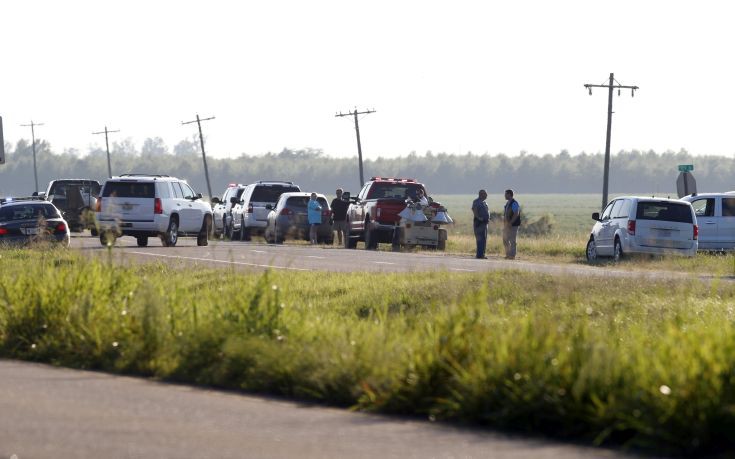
(143, 175)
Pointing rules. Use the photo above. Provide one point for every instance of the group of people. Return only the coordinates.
(339, 216)
(511, 223)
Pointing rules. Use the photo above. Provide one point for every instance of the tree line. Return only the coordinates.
(635, 172)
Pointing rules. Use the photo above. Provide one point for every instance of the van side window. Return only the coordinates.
(608, 210)
(705, 207)
(177, 190)
(728, 207)
(621, 209)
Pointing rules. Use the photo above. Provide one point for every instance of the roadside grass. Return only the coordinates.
(648, 365)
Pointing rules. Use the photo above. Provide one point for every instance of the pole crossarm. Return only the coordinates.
(197, 120)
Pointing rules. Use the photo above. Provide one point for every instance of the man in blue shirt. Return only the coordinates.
(479, 222)
(511, 223)
(314, 212)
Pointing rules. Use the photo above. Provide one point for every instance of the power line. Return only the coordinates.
(107, 145)
(33, 139)
(198, 121)
(357, 131)
(611, 85)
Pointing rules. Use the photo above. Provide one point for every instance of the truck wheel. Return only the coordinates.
(142, 241)
(442, 243)
(350, 242)
(371, 242)
(203, 236)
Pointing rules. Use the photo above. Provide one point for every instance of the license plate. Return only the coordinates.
(29, 231)
(664, 233)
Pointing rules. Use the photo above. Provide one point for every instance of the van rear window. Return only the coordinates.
(664, 211)
(129, 190)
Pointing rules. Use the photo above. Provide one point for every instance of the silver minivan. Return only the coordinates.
(716, 217)
(643, 225)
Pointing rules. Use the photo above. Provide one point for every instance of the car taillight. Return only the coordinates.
(60, 228)
(157, 206)
(250, 208)
(3, 231)
(631, 227)
(695, 232)
(98, 206)
(286, 211)
(326, 213)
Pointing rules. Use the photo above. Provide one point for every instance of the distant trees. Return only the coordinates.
(639, 172)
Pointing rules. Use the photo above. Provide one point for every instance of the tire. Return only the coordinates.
(94, 232)
(244, 232)
(142, 241)
(205, 232)
(617, 250)
(171, 236)
(230, 232)
(241, 233)
(276, 238)
(107, 238)
(442, 243)
(350, 242)
(591, 251)
(371, 242)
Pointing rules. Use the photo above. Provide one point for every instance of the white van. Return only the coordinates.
(643, 225)
(716, 216)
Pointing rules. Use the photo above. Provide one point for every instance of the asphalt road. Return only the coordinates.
(48, 412)
(297, 257)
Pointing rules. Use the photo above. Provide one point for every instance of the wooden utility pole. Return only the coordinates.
(107, 146)
(612, 85)
(357, 131)
(33, 139)
(198, 121)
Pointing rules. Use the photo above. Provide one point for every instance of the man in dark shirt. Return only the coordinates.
(339, 215)
(481, 218)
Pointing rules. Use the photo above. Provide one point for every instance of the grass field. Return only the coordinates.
(643, 364)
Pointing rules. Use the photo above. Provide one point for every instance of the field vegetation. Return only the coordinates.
(628, 362)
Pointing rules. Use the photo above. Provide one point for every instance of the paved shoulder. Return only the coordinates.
(59, 413)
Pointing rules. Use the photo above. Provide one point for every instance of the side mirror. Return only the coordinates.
(346, 196)
(198, 196)
(215, 200)
(596, 216)
(269, 207)
(233, 200)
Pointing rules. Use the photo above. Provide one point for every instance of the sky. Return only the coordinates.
(459, 76)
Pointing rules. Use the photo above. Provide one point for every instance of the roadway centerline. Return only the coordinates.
(383, 263)
(210, 260)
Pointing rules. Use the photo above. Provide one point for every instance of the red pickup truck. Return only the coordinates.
(373, 214)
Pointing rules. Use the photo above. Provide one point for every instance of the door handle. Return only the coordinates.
(710, 223)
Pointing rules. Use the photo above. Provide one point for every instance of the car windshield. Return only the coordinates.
(271, 193)
(664, 211)
(300, 202)
(129, 190)
(30, 211)
(394, 190)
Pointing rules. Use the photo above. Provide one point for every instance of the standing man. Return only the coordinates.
(479, 222)
(339, 215)
(511, 222)
(314, 213)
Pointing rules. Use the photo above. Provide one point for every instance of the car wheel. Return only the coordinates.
(244, 232)
(142, 241)
(107, 238)
(204, 233)
(591, 251)
(171, 236)
(618, 250)
(371, 242)
(241, 234)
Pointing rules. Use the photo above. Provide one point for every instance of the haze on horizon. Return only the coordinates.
(496, 77)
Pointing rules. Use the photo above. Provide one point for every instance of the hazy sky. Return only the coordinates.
(443, 76)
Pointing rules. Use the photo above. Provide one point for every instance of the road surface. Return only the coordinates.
(48, 412)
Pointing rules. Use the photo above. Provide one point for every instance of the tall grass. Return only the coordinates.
(646, 365)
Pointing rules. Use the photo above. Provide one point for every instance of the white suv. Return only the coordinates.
(222, 209)
(141, 206)
(643, 225)
(250, 215)
(716, 216)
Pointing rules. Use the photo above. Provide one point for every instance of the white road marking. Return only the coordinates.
(383, 263)
(313, 256)
(241, 263)
(462, 269)
(259, 251)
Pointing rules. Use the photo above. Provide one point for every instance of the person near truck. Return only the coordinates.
(314, 213)
(511, 223)
(479, 222)
(339, 215)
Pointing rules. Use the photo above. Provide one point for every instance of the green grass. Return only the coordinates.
(645, 365)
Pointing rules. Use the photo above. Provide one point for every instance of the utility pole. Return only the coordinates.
(33, 139)
(357, 131)
(613, 84)
(204, 156)
(107, 145)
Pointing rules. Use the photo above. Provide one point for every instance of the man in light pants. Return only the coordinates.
(511, 223)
